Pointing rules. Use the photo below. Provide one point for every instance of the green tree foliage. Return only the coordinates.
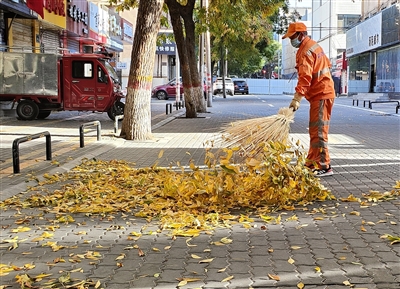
(238, 26)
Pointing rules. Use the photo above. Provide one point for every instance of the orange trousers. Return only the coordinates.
(320, 116)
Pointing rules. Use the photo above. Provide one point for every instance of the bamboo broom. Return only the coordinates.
(252, 134)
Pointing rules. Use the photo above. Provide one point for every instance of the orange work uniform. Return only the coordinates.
(316, 84)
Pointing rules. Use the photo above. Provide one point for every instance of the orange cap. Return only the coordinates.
(295, 27)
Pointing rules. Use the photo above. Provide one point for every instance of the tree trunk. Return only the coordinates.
(190, 41)
(186, 44)
(136, 124)
(176, 21)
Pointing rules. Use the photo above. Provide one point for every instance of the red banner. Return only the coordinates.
(36, 5)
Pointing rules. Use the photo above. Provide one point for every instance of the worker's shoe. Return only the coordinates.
(310, 167)
(323, 172)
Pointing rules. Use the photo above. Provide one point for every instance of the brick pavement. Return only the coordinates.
(331, 245)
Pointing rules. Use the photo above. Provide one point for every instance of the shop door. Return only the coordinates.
(21, 35)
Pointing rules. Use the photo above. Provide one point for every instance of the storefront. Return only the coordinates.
(124, 63)
(16, 25)
(165, 62)
(373, 53)
(77, 25)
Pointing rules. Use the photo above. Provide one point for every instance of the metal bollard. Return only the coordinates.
(168, 105)
(117, 118)
(15, 147)
(81, 132)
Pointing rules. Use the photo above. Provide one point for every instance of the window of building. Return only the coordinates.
(388, 70)
(345, 21)
(359, 67)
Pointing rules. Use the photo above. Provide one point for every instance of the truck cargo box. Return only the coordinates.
(28, 73)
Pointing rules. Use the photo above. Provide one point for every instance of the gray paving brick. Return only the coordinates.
(336, 244)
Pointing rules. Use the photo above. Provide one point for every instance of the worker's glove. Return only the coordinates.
(295, 104)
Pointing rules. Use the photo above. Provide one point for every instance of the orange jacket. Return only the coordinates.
(313, 68)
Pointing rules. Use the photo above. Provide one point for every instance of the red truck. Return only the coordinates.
(42, 82)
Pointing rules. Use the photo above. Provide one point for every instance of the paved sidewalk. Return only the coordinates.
(333, 244)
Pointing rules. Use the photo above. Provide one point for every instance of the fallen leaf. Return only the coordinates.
(355, 213)
(274, 277)
(227, 279)
(226, 241)
(300, 285)
(222, 270)
(206, 260)
(347, 283)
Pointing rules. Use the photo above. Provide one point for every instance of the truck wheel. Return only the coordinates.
(27, 110)
(161, 95)
(43, 114)
(116, 109)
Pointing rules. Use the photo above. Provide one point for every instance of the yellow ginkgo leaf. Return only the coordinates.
(29, 266)
(356, 213)
(317, 269)
(295, 247)
(274, 277)
(194, 256)
(20, 229)
(226, 240)
(300, 285)
(227, 279)
(291, 261)
(206, 260)
(222, 270)
(120, 257)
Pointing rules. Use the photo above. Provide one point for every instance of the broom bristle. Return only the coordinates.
(251, 134)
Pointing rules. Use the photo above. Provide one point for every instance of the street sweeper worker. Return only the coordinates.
(316, 85)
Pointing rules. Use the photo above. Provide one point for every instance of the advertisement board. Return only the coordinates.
(365, 36)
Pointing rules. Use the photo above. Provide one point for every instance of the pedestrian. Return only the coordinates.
(316, 85)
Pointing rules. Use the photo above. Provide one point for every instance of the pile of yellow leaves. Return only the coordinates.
(185, 198)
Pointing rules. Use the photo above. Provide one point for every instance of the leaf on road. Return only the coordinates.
(274, 277)
(392, 239)
(227, 279)
(206, 260)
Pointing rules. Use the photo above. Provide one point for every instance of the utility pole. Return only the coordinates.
(208, 61)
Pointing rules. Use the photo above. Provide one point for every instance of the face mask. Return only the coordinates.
(295, 42)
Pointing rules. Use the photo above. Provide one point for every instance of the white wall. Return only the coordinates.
(289, 53)
(270, 86)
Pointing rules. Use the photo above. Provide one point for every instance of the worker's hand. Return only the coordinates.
(295, 104)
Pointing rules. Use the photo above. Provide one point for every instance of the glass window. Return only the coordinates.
(101, 75)
(345, 21)
(82, 69)
(359, 67)
(388, 70)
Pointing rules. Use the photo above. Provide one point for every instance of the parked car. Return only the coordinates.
(241, 86)
(165, 91)
(218, 86)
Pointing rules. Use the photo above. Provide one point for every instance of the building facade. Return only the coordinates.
(304, 8)
(373, 50)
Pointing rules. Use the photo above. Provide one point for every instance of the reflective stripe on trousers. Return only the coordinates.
(320, 115)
